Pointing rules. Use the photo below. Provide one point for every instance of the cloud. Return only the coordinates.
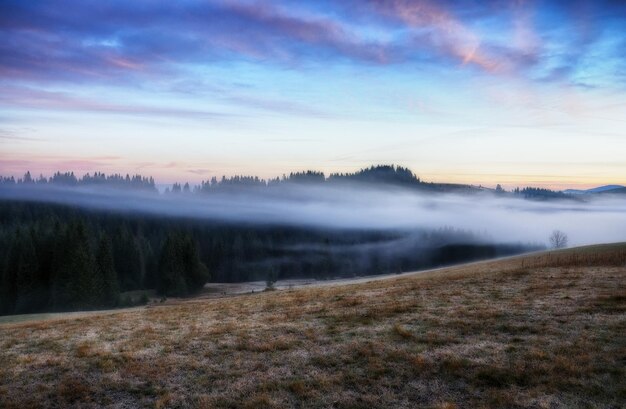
(201, 172)
(130, 43)
(444, 32)
(12, 136)
(15, 164)
(31, 98)
(101, 40)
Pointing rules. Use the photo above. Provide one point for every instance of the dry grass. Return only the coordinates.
(540, 331)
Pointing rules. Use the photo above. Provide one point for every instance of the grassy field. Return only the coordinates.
(540, 331)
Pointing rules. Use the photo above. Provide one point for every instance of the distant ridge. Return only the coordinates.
(605, 188)
(599, 189)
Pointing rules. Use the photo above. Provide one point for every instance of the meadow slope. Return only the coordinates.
(543, 330)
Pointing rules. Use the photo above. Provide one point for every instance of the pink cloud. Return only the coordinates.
(446, 33)
(52, 100)
(17, 165)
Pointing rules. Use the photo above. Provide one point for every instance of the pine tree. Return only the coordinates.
(150, 263)
(25, 267)
(196, 273)
(75, 283)
(8, 292)
(19, 292)
(170, 278)
(4, 289)
(129, 263)
(110, 290)
(180, 270)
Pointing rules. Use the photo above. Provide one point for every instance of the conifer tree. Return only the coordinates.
(8, 292)
(24, 265)
(110, 290)
(180, 270)
(75, 284)
(170, 279)
(128, 260)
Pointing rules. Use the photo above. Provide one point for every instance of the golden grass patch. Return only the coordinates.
(543, 330)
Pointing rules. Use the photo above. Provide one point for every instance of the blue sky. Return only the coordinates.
(482, 92)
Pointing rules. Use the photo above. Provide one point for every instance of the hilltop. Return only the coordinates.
(611, 189)
(390, 175)
(541, 330)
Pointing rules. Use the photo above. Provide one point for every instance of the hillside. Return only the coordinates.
(610, 189)
(542, 330)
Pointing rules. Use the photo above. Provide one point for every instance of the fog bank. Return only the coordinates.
(505, 219)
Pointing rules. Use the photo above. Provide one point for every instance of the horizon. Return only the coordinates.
(485, 93)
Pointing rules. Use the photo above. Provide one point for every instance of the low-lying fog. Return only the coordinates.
(598, 219)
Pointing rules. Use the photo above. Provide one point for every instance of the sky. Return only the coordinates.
(481, 92)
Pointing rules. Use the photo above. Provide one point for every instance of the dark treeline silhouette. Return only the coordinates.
(69, 179)
(57, 258)
(388, 175)
(380, 174)
(540, 193)
(57, 269)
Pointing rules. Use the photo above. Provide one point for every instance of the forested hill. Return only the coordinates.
(69, 242)
(379, 175)
(57, 257)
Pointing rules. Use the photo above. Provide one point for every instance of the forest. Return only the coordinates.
(387, 175)
(58, 257)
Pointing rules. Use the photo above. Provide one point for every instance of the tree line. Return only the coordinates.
(383, 174)
(55, 257)
(136, 182)
(50, 262)
(378, 174)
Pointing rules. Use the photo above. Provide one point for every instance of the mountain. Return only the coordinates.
(599, 189)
